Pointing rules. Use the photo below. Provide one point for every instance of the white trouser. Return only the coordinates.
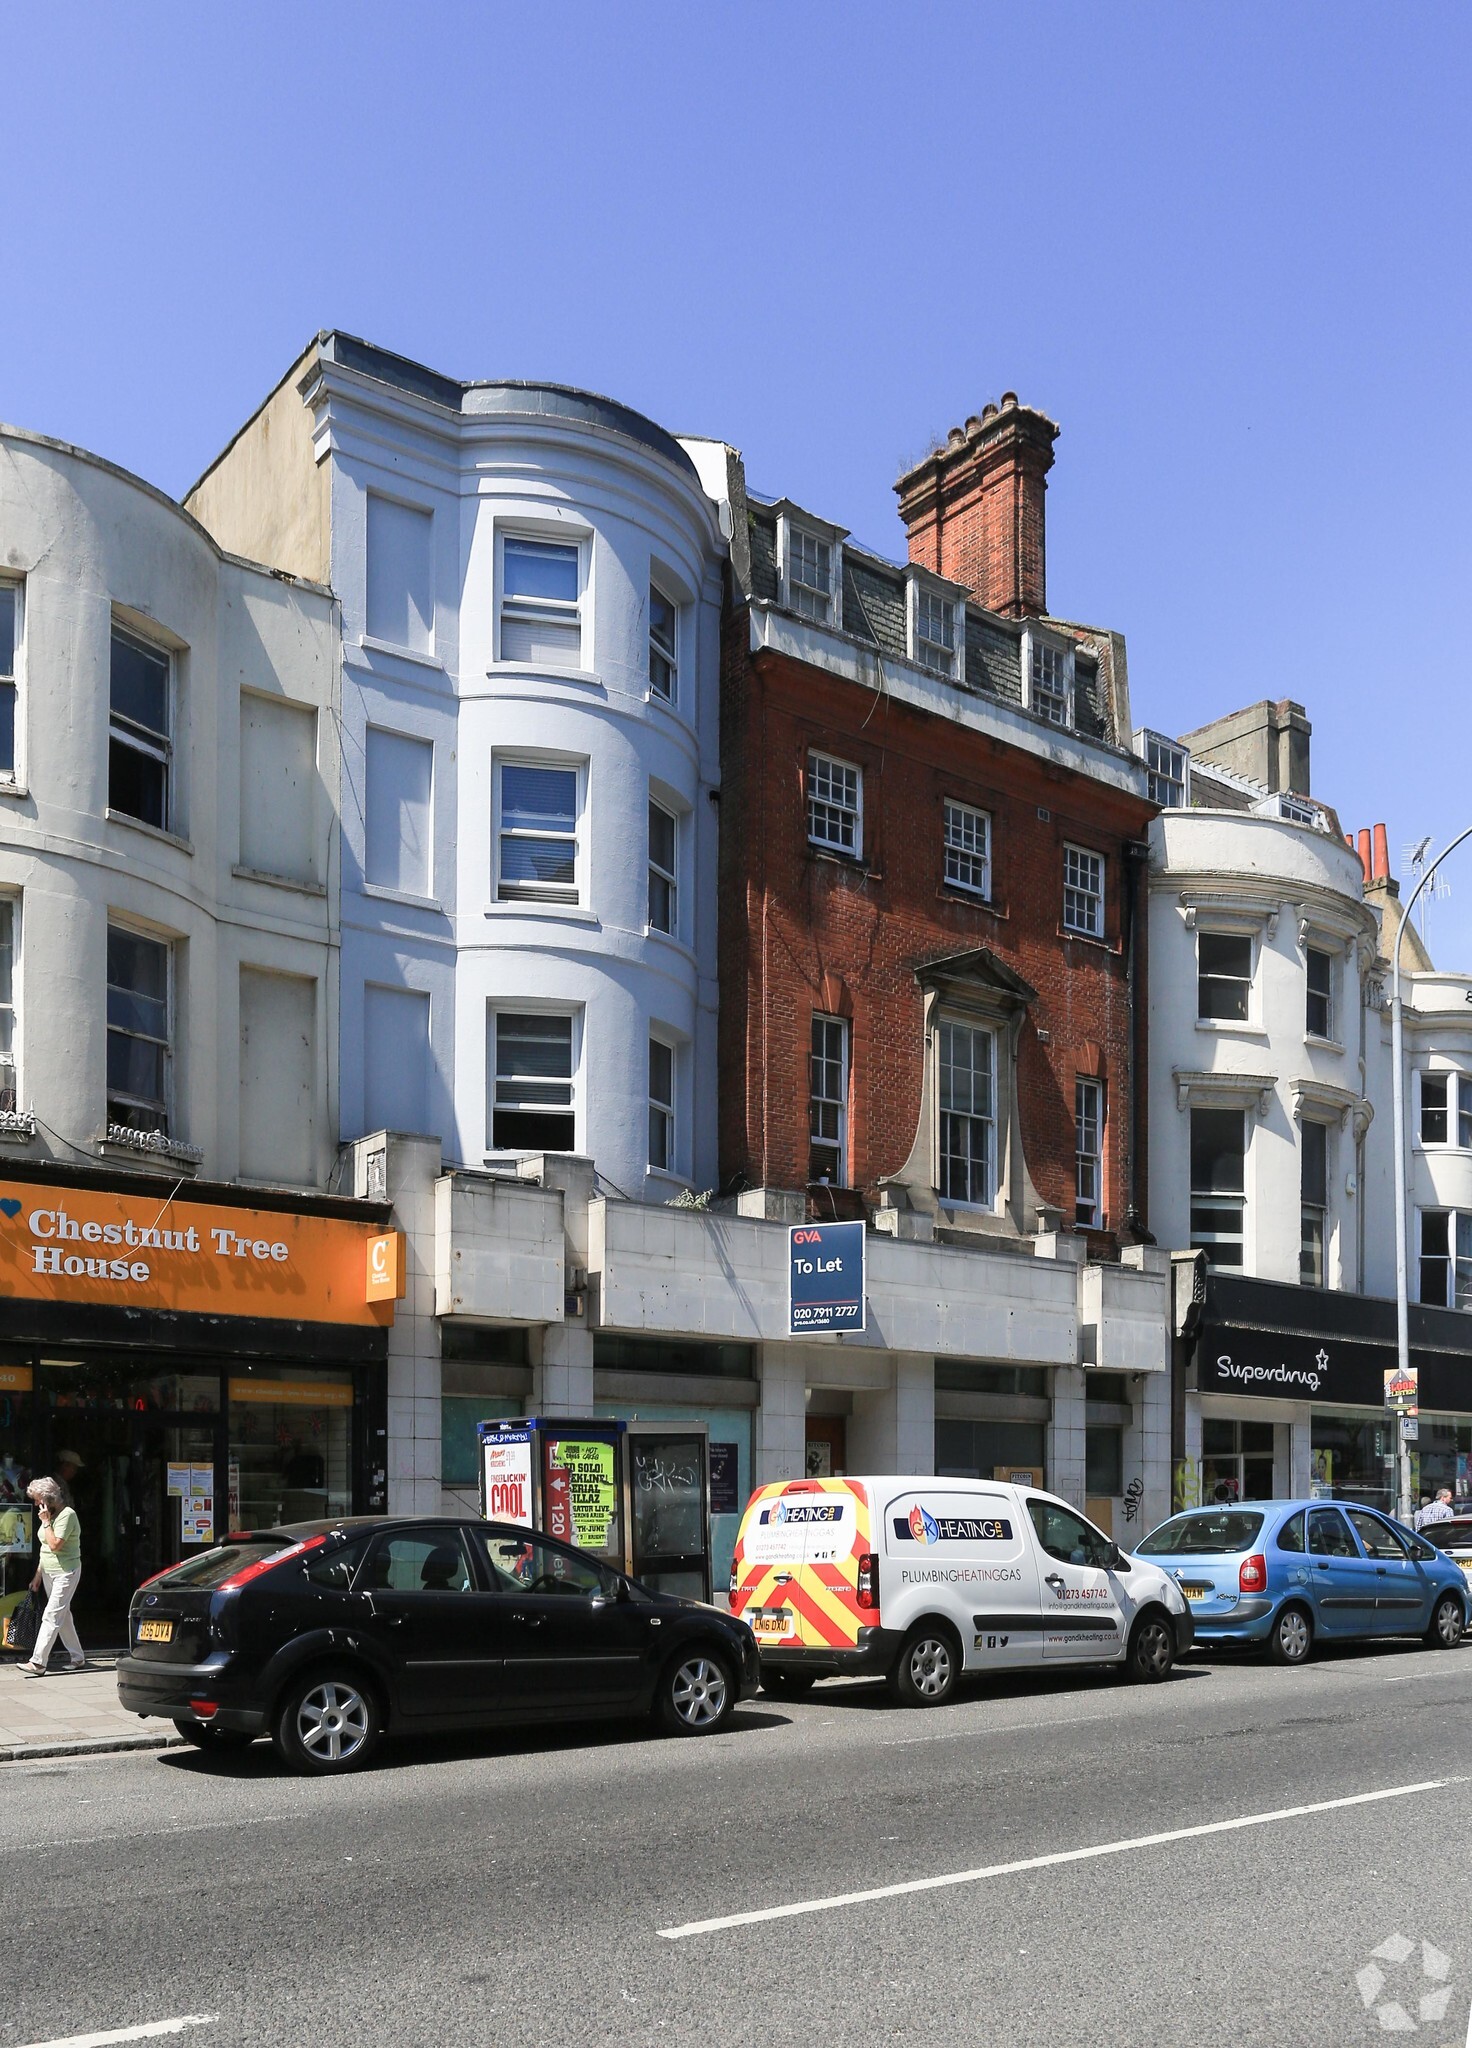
(57, 1620)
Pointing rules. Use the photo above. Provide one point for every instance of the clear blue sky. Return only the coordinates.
(1225, 246)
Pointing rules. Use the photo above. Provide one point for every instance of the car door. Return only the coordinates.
(439, 1632)
(1084, 1618)
(1341, 1580)
(1402, 1590)
(574, 1640)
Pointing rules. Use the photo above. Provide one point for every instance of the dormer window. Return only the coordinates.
(810, 575)
(935, 630)
(1049, 673)
(811, 567)
(1167, 769)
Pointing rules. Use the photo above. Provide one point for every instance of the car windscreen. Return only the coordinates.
(213, 1567)
(1448, 1535)
(1208, 1534)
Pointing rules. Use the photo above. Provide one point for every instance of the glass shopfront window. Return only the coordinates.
(979, 1450)
(290, 1456)
(1354, 1458)
(1445, 1457)
(1236, 1460)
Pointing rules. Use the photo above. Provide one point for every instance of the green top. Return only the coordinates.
(68, 1558)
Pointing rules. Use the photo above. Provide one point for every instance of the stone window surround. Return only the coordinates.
(977, 990)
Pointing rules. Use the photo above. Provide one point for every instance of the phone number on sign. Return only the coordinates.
(841, 1312)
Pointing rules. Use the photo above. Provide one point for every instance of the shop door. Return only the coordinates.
(143, 1488)
(671, 1525)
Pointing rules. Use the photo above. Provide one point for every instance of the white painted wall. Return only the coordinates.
(255, 661)
(1288, 886)
(420, 498)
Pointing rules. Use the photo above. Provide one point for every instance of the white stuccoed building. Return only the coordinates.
(1271, 1133)
(182, 1294)
(530, 582)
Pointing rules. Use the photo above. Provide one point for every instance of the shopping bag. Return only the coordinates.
(24, 1625)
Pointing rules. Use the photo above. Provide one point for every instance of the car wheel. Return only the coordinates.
(696, 1694)
(1152, 1650)
(205, 1735)
(927, 1669)
(1292, 1637)
(328, 1722)
(1448, 1623)
(787, 1684)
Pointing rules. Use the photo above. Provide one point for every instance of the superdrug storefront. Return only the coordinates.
(188, 1365)
(1282, 1391)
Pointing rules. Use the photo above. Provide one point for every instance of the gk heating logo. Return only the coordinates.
(792, 1511)
(920, 1526)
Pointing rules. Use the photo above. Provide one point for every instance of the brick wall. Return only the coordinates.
(804, 931)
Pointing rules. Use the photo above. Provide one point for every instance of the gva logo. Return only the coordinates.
(807, 1237)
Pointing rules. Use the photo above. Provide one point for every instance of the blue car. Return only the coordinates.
(1283, 1573)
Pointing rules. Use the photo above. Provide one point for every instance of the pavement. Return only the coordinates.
(1243, 1854)
(70, 1712)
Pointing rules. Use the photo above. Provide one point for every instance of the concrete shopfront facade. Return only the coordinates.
(207, 1366)
(538, 1294)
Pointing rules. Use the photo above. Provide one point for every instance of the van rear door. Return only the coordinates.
(797, 1564)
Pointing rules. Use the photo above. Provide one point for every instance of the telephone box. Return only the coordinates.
(634, 1494)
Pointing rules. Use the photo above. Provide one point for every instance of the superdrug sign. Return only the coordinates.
(1291, 1366)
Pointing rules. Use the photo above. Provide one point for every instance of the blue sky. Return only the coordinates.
(1225, 246)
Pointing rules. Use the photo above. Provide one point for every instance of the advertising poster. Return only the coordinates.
(724, 1480)
(178, 1478)
(1402, 1389)
(197, 1519)
(506, 1468)
(15, 1532)
(582, 1491)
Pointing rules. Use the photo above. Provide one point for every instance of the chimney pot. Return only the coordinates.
(1382, 852)
(1364, 850)
(1009, 399)
(973, 428)
(989, 410)
(955, 438)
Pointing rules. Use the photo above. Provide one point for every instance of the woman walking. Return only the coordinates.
(60, 1569)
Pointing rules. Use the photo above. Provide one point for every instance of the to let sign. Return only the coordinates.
(825, 1278)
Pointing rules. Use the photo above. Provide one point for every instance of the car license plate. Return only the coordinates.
(1194, 1591)
(776, 1623)
(155, 1631)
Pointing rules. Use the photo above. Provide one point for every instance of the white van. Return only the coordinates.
(920, 1579)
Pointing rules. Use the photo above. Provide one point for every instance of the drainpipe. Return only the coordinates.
(1136, 857)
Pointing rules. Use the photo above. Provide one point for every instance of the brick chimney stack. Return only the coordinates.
(974, 509)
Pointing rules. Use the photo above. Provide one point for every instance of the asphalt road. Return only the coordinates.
(521, 1889)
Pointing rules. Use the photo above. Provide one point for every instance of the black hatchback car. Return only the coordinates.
(328, 1635)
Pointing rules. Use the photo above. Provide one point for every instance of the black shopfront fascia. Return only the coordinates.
(1271, 1341)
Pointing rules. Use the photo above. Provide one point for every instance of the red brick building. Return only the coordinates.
(931, 838)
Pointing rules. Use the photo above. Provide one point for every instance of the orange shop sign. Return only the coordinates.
(135, 1251)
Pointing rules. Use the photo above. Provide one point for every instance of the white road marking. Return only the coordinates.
(148, 2032)
(956, 1877)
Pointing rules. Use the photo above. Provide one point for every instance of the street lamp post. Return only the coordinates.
(1402, 1178)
